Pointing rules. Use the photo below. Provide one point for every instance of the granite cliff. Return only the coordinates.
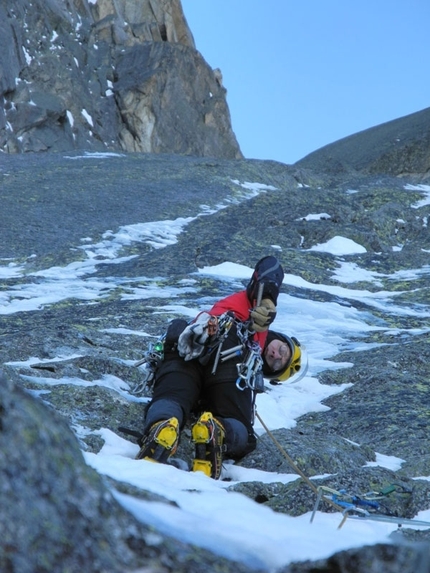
(108, 75)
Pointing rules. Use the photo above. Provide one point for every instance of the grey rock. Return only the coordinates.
(52, 502)
(385, 405)
(314, 450)
(401, 558)
(108, 76)
(191, 117)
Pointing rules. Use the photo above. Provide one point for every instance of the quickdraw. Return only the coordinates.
(366, 506)
(150, 362)
(249, 370)
(250, 374)
(224, 322)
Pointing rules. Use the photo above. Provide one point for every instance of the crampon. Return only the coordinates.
(161, 441)
(208, 436)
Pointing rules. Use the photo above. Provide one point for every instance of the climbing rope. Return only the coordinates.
(298, 471)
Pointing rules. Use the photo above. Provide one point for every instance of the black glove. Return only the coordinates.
(191, 342)
(269, 273)
(263, 315)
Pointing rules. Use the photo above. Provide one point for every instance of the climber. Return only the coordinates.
(215, 366)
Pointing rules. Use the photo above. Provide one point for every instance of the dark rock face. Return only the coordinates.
(158, 106)
(398, 147)
(107, 76)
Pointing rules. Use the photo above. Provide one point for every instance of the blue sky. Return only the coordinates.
(301, 74)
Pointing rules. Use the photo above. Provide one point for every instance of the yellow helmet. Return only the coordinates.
(294, 363)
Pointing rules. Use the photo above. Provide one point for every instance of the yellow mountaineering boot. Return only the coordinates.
(161, 442)
(208, 435)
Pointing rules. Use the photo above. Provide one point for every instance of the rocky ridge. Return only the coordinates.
(399, 147)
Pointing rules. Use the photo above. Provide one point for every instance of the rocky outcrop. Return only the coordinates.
(51, 501)
(158, 107)
(398, 147)
(108, 75)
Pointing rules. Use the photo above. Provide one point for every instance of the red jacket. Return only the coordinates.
(239, 304)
